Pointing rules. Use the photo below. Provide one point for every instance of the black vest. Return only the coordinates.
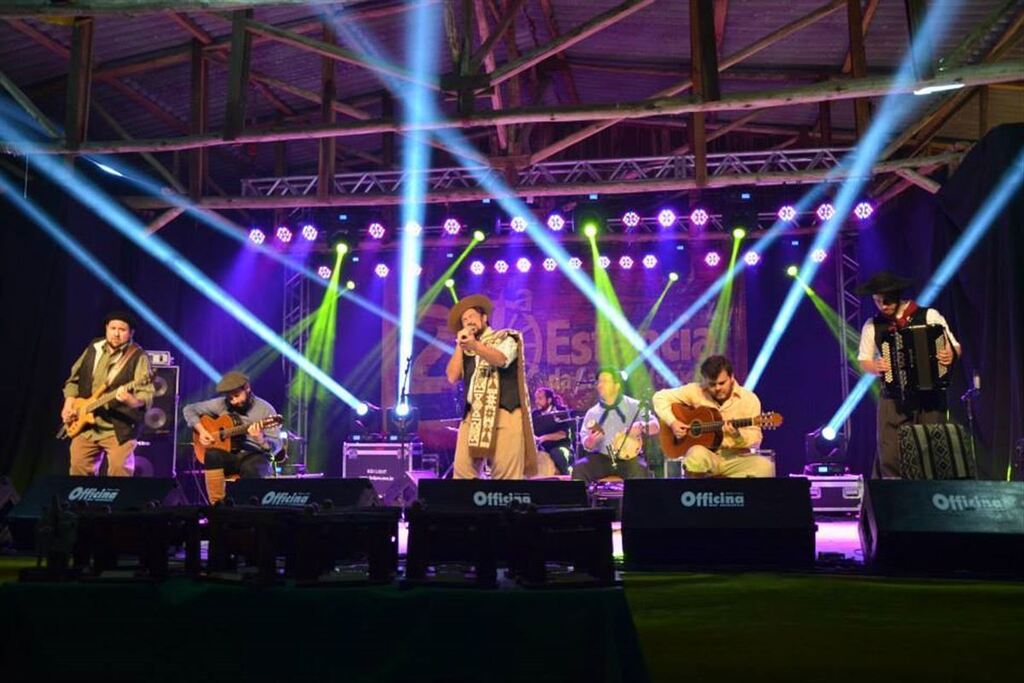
(883, 324)
(509, 380)
(127, 421)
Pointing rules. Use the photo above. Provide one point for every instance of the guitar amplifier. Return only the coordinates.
(384, 464)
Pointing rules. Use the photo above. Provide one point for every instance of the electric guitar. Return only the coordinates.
(225, 428)
(85, 408)
(706, 426)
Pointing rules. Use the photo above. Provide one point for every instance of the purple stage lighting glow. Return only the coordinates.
(309, 232)
(787, 213)
(575, 263)
(550, 264)
(712, 259)
(256, 236)
(523, 265)
(826, 211)
(324, 272)
(413, 228)
(650, 261)
(625, 262)
(452, 226)
(666, 218)
(376, 231)
(604, 262)
(477, 267)
(863, 210)
(631, 219)
(699, 217)
(818, 255)
(501, 266)
(556, 222)
(284, 234)
(381, 270)
(751, 258)
(518, 224)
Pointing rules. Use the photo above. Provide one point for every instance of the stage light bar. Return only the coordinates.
(751, 258)
(284, 235)
(604, 262)
(819, 255)
(324, 272)
(575, 263)
(452, 226)
(666, 218)
(826, 212)
(518, 224)
(381, 270)
(376, 231)
(309, 232)
(787, 213)
(501, 266)
(556, 222)
(863, 210)
(631, 219)
(625, 262)
(550, 264)
(650, 261)
(257, 236)
(523, 265)
(712, 259)
(477, 267)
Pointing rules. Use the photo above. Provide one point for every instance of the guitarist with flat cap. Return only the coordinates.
(235, 433)
(105, 398)
(724, 415)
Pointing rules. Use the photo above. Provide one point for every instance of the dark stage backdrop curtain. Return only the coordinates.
(984, 301)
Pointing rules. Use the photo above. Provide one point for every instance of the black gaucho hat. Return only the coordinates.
(124, 316)
(883, 282)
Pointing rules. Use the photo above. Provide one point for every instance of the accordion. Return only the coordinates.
(914, 365)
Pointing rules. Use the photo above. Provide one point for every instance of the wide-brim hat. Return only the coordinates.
(231, 381)
(473, 301)
(882, 283)
(124, 316)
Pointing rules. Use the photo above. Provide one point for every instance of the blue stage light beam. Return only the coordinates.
(96, 267)
(894, 112)
(421, 30)
(980, 223)
(127, 225)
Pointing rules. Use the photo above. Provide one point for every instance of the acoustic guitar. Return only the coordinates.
(225, 428)
(85, 408)
(706, 426)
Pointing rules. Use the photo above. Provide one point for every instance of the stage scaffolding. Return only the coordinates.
(296, 309)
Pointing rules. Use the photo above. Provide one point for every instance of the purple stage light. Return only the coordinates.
(826, 211)
(523, 265)
(381, 270)
(666, 218)
(518, 224)
(501, 266)
(477, 267)
(257, 236)
(376, 231)
(556, 222)
(699, 217)
(751, 258)
(712, 259)
(863, 210)
(818, 255)
(452, 226)
(604, 262)
(324, 272)
(650, 261)
(413, 228)
(284, 234)
(575, 263)
(309, 232)
(550, 264)
(631, 219)
(787, 213)
(625, 262)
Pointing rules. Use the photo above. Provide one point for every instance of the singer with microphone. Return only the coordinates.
(495, 423)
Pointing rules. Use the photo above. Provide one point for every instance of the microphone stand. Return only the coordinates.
(967, 399)
(403, 400)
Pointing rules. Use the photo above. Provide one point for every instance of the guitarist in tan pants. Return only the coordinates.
(109, 362)
(721, 391)
(251, 454)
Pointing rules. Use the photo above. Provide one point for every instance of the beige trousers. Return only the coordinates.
(700, 461)
(509, 456)
(86, 455)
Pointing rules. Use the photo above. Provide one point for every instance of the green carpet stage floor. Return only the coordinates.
(658, 626)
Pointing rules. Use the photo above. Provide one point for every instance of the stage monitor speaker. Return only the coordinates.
(301, 491)
(944, 526)
(117, 493)
(713, 522)
(155, 455)
(475, 494)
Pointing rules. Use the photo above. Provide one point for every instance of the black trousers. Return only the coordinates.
(560, 452)
(599, 465)
(246, 464)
